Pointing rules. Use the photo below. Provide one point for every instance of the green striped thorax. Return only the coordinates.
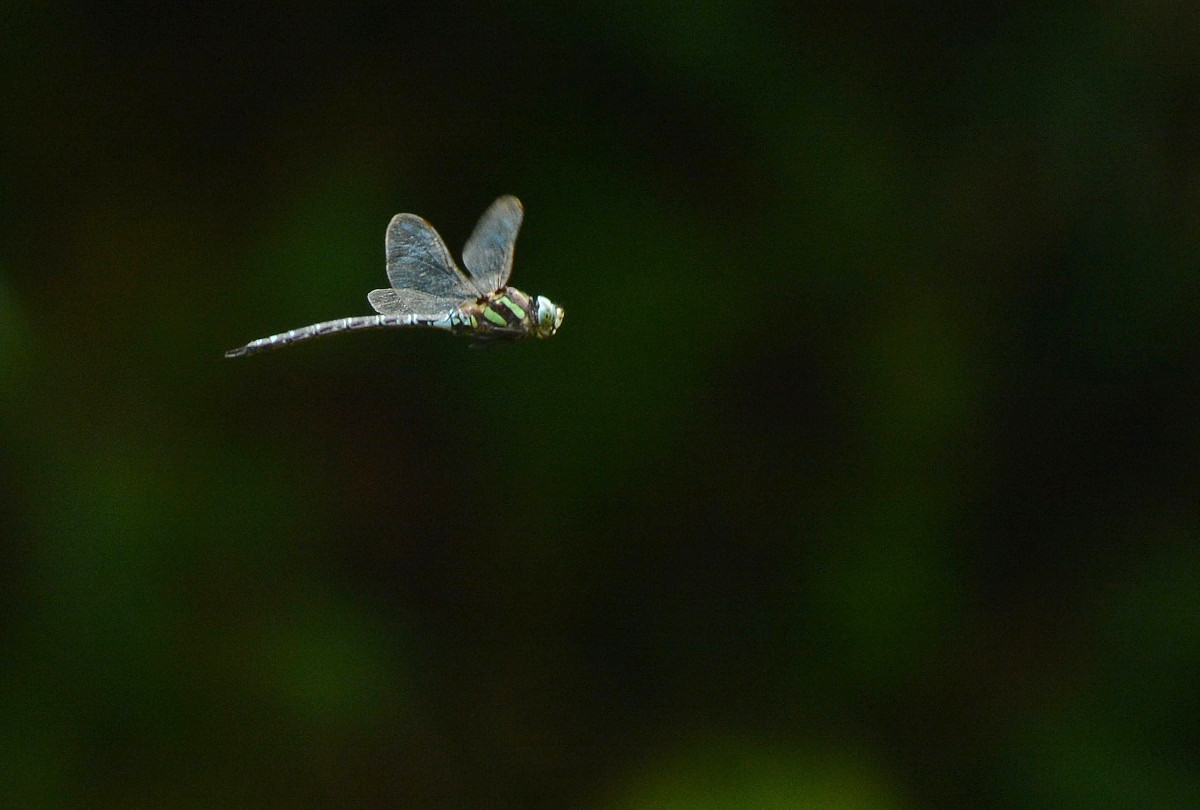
(507, 314)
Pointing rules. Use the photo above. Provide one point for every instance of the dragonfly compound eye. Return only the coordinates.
(549, 316)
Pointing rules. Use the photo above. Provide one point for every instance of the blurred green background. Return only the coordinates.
(863, 472)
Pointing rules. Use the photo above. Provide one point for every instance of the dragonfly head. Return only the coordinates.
(548, 316)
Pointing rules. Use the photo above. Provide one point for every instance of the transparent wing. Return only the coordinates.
(410, 302)
(489, 252)
(417, 260)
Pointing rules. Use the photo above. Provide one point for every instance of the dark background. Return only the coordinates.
(862, 473)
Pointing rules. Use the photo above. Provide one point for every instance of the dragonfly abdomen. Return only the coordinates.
(350, 324)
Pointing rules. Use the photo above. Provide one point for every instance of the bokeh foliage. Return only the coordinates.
(863, 472)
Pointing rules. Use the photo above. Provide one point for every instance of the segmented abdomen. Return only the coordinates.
(327, 328)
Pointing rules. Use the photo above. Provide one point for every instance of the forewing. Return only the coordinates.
(417, 260)
(410, 302)
(489, 252)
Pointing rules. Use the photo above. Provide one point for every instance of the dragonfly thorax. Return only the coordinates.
(506, 314)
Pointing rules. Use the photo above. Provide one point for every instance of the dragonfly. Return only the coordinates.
(429, 290)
